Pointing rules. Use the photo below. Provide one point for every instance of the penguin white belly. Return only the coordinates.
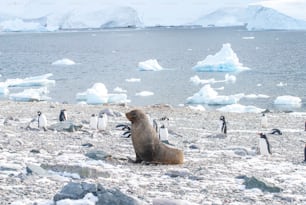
(42, 121)
(163, 134)
(93, 123)
(102, 122)
(264, 122)
(263, 147)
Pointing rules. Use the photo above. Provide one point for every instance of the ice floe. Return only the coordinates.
(98, 94)
(64, 61)
(238, 108)
(144, 93)
(133, 80)
(31, 94)
(197, 81)
(119, 90)
(287, 100)
(149, 65)
(207, 95)
(41, 80)
(225, 60)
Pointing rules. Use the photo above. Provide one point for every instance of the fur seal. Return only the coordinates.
(146, 144)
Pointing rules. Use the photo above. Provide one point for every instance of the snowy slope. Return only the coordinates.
(255, 17)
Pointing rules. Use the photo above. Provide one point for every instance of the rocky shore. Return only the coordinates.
(35, 164)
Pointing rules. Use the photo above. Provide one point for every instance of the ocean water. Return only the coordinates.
(111, 56)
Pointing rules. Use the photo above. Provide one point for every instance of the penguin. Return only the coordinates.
(264, 121)
(305, 125)
(93, 122)
(223, 125)
(42, 121)
(102, 121)
(163, 130)
(63, 115)
(305, 153)
(264, 145)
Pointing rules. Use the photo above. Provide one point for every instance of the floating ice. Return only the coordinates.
(98, 94)
(287, 100)
(132, 80)
(144, 93)
(3, 89)
(208, 95)
(281, 84)
(149, 65)
(225, 60)
(197, 81)
(238, 108)
(41, 80)
(30, 95)
(119, 90)
(248, 37)
(64, 61)
(254, 96)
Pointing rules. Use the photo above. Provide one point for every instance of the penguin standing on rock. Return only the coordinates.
(223, 125)
(42, 121)
(63, 115)
(264, 145)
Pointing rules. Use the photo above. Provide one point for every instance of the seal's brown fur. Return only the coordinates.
(146, 143)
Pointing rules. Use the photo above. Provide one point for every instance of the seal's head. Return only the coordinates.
(135, 115)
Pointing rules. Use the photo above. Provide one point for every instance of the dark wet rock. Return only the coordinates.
(83, 172)
(37, 170)
(97, 155)
(67, 126)
(87, 145)
(105, 196)
(252, 182)
(178, 173)
(193, 147)
(35, 151)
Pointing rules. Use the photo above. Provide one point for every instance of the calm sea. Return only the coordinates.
(111, 56)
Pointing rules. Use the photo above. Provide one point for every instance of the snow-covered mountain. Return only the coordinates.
(254, 17)
(50, 15)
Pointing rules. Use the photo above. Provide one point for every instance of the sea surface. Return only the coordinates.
(111, 56)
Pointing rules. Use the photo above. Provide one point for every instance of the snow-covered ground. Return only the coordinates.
(211, 173)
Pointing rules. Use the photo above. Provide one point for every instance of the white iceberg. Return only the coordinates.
(41, 80)
(149, 65)
(225, 60)
(30, 95)
(16, 24)
(238, 108)
(208, 95)
(254, 96)
(144, 93)
(119, 90)
(98, 94)
(287, 100)
(3, 88)
(64, 61)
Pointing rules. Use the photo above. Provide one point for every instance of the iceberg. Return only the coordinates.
(287, 100)
(30, 95)
(149, 65)
(208, 95)
(238, 108)
(98, 94)
(225, 60)
(3, 89)
(64, 61)
(17, 24)
(133, 80)
(41, 80)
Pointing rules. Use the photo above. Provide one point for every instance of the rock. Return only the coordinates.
(251, 183)
(34, 169)
(87, 145)
(67, 126)
(110, 112)
(193, 147)
(105, 196)
(35, 151)
(97, 155)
